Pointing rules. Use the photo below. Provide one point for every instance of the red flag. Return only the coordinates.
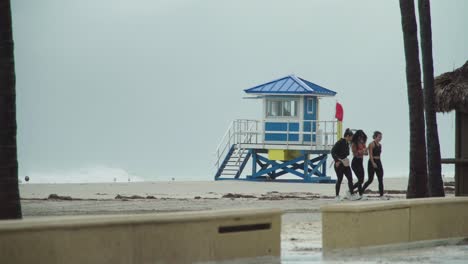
(339, 112)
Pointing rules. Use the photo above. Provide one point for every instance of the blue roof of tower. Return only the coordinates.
(291, 84)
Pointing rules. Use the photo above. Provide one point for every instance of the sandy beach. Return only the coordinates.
(174, 196)
(301, 222)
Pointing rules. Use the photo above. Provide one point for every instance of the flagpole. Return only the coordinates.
(339, 130)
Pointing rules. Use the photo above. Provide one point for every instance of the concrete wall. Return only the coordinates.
(374, 223)
(149, 238)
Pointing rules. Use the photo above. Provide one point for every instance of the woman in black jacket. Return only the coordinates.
(340, 152)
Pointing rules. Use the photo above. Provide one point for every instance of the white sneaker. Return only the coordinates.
(338, 198)
(356, 197)
(364, 197)
(348, 195)
(383, 197)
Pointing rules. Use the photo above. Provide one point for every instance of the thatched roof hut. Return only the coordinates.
(451, 93)
(451, 90)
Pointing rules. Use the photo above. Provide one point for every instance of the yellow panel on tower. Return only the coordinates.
(283, 154)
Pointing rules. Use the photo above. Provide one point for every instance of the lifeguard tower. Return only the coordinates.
(290, 139)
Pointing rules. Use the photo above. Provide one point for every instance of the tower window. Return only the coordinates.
(310, 105)
(281, 108)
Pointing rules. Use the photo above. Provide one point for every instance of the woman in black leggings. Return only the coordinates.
(374, 166)
(358, 147)
(340, 152)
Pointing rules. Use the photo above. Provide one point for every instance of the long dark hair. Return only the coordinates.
(358, 136)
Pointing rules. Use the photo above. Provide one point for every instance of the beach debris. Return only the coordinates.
(395, 192)
(282, 197)
(308, 249)
(238, 195)
(135, 197)
(101, 193)
(369, 191)
(123, 197)
(296, 195)
(58, 197)
(462, 242)
(450, 183)
(173, 198)
(449, 189)
(197, 197)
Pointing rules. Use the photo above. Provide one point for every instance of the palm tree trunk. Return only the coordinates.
(417, 182)
(10, 207)
(435, 183)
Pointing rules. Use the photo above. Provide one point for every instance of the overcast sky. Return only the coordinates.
(150, 86)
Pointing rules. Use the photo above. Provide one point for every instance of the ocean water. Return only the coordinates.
(82, 175)
(101, 174)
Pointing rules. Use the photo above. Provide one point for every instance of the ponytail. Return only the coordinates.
(376, 134)
(348, 132)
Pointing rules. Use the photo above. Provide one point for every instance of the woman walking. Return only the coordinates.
(358, 146)
(374, 166)
(340, 152)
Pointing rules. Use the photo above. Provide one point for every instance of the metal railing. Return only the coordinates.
(234, 135)
(245, 132)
